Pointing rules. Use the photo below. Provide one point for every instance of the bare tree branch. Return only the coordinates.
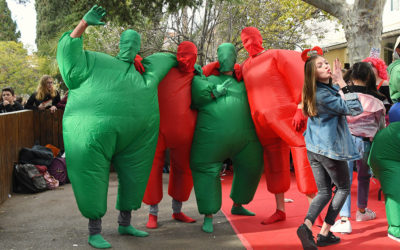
(336, 8)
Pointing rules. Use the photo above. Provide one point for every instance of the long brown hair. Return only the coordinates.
(42, 90)
(308, 96)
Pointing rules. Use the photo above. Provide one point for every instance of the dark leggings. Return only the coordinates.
(325, 172)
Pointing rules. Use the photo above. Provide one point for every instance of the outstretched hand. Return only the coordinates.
(94, 15)
(337, 75)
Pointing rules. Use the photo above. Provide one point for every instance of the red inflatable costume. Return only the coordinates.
(274, 82)
(177, 124)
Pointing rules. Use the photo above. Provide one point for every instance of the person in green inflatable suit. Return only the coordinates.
(384, 157)
(111, 118)
(224, 129)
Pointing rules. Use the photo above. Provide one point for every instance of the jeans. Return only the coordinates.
(325, 172)
(363, 177)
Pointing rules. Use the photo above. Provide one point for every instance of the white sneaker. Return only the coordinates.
(368, 215)
(394, 237)
(341, 227)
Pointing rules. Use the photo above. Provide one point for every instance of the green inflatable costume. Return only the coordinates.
(384, 157)
(111, 117)
(224, 129)
(384, 160)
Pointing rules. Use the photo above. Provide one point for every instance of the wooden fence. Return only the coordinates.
(24, 129)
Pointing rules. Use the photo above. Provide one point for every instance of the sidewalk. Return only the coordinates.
(51, 220)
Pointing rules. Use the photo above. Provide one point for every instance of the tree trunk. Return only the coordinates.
(362, 24)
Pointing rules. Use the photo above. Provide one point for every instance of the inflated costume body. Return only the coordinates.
(224, 129)
(177, 123)
(384, 160)
(111, 117)
(384, 157)
(274, 81)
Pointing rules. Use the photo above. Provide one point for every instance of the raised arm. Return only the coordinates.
(71, 58)
(93, 17)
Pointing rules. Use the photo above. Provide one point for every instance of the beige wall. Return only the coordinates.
(386, 52)
(332, 54)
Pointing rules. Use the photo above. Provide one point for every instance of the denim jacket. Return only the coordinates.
(327, 133)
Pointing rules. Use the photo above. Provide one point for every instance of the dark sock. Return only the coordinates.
(124, 218)
(94, 226)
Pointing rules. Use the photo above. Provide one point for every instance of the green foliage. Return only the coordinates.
(283, 24)
(56, 15)
(103, 38)
(52, 16)
(8, 31)
(17, 69)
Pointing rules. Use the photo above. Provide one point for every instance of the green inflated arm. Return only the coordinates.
(72, 61)
(157, 67)
(201, 91)
(394, 84)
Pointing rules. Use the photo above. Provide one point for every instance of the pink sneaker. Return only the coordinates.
(368, 215)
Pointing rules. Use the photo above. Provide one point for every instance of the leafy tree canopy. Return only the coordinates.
(56, 15)
(8, 31)
(17, 69)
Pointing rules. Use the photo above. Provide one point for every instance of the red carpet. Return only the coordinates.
(282, 235)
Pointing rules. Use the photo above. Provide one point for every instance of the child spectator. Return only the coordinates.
(363, 128)
(45, 97)
(329, 144)
(8, 104)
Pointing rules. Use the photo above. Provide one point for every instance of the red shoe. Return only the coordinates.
(152, 223)
(277, 216)
(182, 217)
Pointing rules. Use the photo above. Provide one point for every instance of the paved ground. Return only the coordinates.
(51, 220)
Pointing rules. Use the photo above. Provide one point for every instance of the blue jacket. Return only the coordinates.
(327, 133)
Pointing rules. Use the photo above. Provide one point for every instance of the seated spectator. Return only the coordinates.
(45, 97)
(63, 102)
(9, 104)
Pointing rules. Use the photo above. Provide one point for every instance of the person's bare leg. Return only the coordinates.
(279, 214)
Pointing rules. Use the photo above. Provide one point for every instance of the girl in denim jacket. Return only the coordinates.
(363, 128)
(328, 142)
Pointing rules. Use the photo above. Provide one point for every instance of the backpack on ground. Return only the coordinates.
(27, 179)
(37, 155)
(51, 182)
(58, 169)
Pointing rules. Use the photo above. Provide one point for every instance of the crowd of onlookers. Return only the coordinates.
(45, 97)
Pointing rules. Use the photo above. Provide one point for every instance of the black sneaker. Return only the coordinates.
(328, 240)
(306, 237)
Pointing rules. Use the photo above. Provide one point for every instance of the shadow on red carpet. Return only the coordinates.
(367, 235)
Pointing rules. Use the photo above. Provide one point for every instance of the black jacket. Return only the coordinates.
(10, 108)
(33, 103)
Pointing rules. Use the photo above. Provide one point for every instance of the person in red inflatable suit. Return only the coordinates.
(274, 82)
(177, 124)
